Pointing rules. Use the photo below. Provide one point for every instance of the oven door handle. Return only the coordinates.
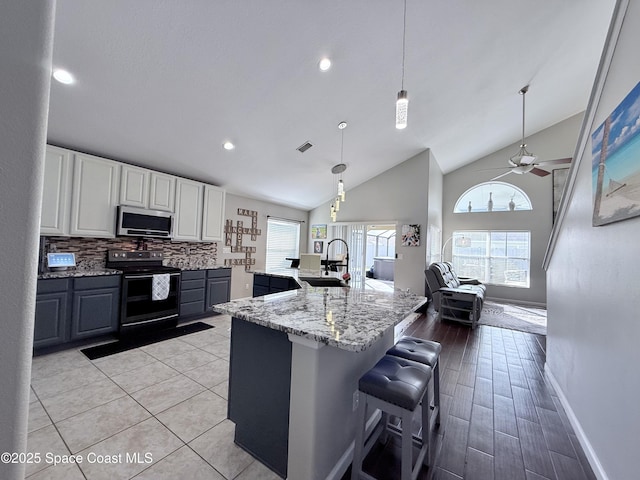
(133, 275)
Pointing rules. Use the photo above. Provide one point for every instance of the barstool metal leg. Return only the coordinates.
(436, 392)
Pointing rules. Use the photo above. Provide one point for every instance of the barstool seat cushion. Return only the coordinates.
(396, 380)
(417, 349)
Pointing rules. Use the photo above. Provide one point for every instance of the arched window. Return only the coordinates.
(492, 197)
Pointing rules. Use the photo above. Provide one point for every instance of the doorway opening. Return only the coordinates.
(372, 249)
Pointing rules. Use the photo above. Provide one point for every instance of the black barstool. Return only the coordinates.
(426, 352)
(396, 386)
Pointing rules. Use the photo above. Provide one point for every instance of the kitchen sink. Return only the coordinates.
(323, 281)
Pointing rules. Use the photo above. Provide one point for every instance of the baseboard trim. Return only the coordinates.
(516, 302)
(577, 428)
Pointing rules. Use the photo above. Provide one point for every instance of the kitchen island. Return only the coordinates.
(296, 358)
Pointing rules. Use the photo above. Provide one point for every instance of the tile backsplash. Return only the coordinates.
(91, 253)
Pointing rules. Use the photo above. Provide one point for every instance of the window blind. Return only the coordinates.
(283, 241)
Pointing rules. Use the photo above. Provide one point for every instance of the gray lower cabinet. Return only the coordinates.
(96, 302)
(75, 308)
(264, 284)
(218, 287)
(192, 291)
(200, 289)
(52, 307)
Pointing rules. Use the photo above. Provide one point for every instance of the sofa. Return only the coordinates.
(454, 298)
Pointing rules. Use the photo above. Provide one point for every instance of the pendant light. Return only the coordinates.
(523, 158)
(338, 170)
(402, 103)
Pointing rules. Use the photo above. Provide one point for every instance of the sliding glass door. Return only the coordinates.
(371, 253)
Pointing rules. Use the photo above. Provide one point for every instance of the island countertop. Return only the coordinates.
(345, 318)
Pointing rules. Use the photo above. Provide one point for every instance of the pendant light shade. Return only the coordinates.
(402, 108)
(402, 102)
(338, 170)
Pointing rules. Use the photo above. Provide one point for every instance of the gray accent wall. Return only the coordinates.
(554, 142)
(593, 297)
(26, 43)
(402, 195)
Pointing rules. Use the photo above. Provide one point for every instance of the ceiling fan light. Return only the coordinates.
(402, 107)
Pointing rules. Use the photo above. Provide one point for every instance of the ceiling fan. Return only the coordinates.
(525, 161)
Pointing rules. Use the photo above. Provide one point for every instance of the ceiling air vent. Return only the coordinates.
(304, 147)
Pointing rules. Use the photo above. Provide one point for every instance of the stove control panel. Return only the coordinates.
(134, 255)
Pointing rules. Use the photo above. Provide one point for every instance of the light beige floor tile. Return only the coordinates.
(123, 362)
(217, 448)
(32, 396)
(81, 399)
(168, 348)
(61, 471)
(38, 417)
(146, 438)
(66, 380)
(143, 377)
(43, 441)
(190, 360)
(202, 338)
(210, 374)
(183, 463)
(219, 349)
(44, 366)
(257, 471)
(95, 425)
(194, 416)
(222, 389)
(168, 393)
(224, 331)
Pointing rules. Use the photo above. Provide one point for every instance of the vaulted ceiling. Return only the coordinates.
(163, 83)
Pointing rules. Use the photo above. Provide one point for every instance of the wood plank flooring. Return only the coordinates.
(500, 419)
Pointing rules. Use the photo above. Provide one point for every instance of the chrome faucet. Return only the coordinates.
(326, 263)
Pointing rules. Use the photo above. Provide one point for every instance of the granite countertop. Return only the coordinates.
(79, 273)
(296, 273)
(94, 272)
(346, 318)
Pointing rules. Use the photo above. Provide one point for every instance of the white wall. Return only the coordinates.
(240, 279)
(554, 142)
(400, 194)
(26, 40)
(593, 298)
(435, 193)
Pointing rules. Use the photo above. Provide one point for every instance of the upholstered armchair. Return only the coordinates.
(454, 298)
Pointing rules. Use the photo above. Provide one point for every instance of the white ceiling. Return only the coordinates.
(164, 83)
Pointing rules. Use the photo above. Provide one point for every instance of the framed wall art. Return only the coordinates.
(410, 235)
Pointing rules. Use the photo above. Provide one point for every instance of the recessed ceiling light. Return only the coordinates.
(228, 145)
(63, 76)
(324, 64)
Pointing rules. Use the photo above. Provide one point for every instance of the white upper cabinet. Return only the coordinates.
(188, 218)
(162, 192)
(144, 188)
(213, 214)
(134, 186)
(81, 194)
(94, 196)
(54, 219)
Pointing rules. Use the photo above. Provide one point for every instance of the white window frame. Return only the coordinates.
(283, 241)
(483, 263)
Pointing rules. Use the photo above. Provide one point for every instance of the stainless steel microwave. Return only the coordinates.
(141, 222)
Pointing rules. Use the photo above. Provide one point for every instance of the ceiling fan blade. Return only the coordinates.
(539, 172)
(558, 161)
(500, 176)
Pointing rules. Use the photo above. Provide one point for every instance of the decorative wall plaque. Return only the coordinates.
(237, 231)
